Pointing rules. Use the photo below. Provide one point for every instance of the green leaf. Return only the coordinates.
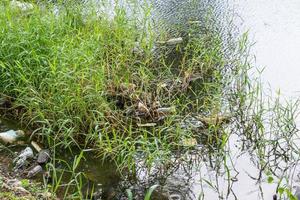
(25, 183)
(280, 190)
(150, 191)
(270, 179)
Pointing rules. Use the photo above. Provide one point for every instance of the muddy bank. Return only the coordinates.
(13, 186)
(16, 185)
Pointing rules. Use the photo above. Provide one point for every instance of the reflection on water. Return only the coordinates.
(234, 172)
(275, 27)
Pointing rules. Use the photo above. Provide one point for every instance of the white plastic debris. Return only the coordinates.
(34, 171)
(36, 146)
(11, 136)
(26, 153)
(165, 111)
(20, 161)
(174, 41)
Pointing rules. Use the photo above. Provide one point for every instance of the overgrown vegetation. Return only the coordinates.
(76, 78)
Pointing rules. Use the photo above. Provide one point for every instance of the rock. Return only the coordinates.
(19, 164)
(43, 156)
(20, 161)
(11, 136)
(22, 6)
(34, 171)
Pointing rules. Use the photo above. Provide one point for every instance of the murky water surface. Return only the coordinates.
(274, 26)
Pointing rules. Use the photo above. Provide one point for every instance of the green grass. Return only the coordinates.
(74, 79)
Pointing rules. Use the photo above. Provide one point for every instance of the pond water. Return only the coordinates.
(274, 26)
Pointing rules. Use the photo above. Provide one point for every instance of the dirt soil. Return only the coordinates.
(14, 187)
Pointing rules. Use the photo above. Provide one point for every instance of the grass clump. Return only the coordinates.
(75, 77)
